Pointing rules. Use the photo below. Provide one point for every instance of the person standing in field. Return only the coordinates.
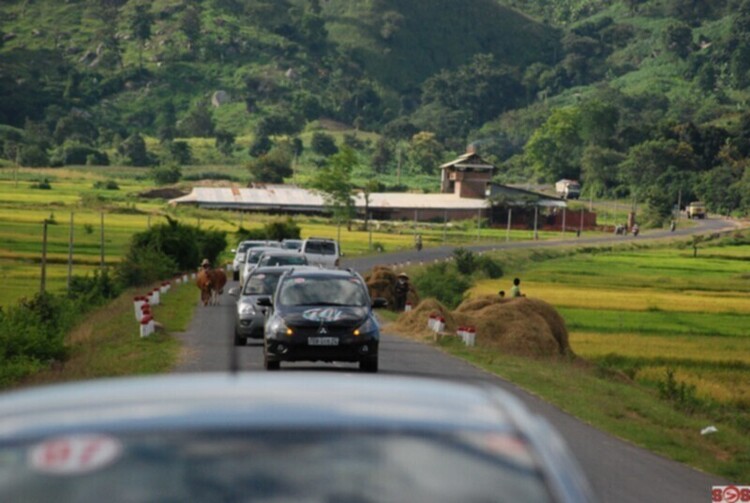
(401, 291)
(516, 290)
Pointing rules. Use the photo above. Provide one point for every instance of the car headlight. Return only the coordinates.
(246, 310)
(277, 327)
(368, 327)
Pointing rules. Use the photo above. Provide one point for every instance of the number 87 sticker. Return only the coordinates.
(74, 454)
(730, 494)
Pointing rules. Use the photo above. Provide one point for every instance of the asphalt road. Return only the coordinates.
(617, 470)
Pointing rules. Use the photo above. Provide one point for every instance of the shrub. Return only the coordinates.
(33, 156)
(323, 144)
(274, 231)
(165, 175)
(43, 185)
(465, 260)
(443, 283)
(167, 248)
(491, 268)
(106, 185)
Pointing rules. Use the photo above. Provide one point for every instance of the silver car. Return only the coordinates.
(279, 438)
(241, 251)
(249, 317)
(251, 260)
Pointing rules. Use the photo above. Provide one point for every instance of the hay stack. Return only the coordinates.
(381, 282)
(415, 321)
(520, 326)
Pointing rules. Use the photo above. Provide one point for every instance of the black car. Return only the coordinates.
(322, 315)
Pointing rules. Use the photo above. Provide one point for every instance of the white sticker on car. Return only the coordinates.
(74, 454)
(323, 314)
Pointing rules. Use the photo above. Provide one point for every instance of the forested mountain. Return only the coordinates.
(640, 98)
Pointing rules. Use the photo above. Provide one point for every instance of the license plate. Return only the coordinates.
(322, 341)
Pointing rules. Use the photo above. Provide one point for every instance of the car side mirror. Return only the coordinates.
(379, 302)
(264, 302)
(234, 292)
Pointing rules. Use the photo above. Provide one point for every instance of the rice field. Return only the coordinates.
(23, 209)
(645, 312)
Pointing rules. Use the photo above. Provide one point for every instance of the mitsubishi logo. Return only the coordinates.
(322, 330)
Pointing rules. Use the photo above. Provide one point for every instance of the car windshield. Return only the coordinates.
(271, 260)
(254, 255)
(322, 291)
(272, 466)
(262, 284)
(321, 247)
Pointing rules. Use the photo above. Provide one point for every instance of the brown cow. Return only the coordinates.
(211, 283)
(218, 280)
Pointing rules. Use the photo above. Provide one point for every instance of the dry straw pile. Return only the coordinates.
(381, 282)
(520, 326)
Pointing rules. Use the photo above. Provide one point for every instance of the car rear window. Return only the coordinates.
(272, 466)
(321, 247)
(262, 283)
(271, 260)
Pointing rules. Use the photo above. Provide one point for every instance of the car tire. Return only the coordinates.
(369, 364)
(271, 364)
(236, 275)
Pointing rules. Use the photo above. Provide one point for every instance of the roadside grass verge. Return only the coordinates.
(624, 409)
(663, 341)
(108, 344)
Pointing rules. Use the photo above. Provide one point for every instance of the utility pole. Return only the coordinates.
(580, 227)
(102, 238)
(70, 252)
(445, 225)
(369, 231)
(43, 285)
(479, 224)
(562, 231)
(507, 232)
(536, 222)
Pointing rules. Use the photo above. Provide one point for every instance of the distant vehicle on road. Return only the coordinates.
(252, 256)
(241, 251)
(291, 244)
(321, 251)
(321, 315)
(250, 318)
(309, 437)
(568, 189)
(696, 209)
(282, 257)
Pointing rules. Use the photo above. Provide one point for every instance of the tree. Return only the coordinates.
(678, 39)
(271, 167)
(140, 26)
(554, 150)
(334, 182)
(180, 152)
(224, 142)
(199, 121)
(382, 156)
(261, 146)
(323, 144)
(599, 167)
(166, 174)
(425, 152)
(133, 149)
(190, 25)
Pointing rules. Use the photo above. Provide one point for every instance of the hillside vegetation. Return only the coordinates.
(640, 99)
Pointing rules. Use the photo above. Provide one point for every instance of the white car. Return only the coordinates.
(321, 251)
(251, 260)
(241, 251)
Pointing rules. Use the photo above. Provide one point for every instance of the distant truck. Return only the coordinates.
(696, 209)
(568, 189)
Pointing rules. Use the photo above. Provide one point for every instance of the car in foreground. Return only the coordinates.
(321, 315)
(279, 438)
(241, 251)
(282, 257)
(250, 318)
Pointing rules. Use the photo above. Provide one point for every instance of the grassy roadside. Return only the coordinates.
(625, 409)
(107, 342)
(662, 339)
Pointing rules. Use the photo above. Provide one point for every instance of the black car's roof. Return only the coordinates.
(256, 401)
